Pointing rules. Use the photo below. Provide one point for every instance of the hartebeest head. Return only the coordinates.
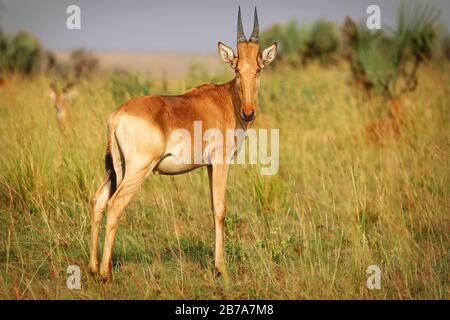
(61, 97)
(247, 65)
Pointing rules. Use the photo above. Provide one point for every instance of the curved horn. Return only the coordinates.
(240, 28)
(255, 34)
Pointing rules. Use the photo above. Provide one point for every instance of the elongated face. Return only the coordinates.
(247, 77)
(247, 65)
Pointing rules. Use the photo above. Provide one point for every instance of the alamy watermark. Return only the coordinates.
(74, 278)
(374, 280)
(73, 21)
(215, 146)
(373, 22)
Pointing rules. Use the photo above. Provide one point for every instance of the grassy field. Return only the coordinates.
(338, 204)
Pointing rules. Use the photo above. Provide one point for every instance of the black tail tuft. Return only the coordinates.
(109, 167)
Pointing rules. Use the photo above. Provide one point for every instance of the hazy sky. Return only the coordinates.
(173, 25)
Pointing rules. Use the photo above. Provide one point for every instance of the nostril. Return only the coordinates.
(245, 116)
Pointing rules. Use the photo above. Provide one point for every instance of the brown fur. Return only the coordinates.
(139, 142)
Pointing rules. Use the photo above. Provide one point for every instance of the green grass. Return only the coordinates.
(338, 204)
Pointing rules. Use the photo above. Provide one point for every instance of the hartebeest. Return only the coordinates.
(139, 140)
(60, 99)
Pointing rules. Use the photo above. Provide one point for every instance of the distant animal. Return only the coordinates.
(60, 98)
(139, 141)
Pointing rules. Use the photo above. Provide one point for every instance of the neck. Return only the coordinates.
(233, 92)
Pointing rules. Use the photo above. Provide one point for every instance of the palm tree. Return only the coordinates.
(383, 59)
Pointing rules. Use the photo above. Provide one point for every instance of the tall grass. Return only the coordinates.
(337, 205)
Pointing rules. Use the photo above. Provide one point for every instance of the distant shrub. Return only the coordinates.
(446, 47)
(5, 47)
(322, 43)
(291, 40)
(56, 68)
(301, 44)
(124, 86)
(371, 58)
(416, 31)
(21, 54)
(84, 63)
(382, 61)
(24, 54)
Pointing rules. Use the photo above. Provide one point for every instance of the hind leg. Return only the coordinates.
(135, 174)
(98, 205)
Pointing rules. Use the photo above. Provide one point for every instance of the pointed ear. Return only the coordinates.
(227, 55)
(268, 54)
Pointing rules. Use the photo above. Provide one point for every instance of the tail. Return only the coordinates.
(110, 172)
(109, 161)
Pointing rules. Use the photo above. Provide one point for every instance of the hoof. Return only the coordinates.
(93, 268)
(105, 275)
(106, 278)
(223, 274)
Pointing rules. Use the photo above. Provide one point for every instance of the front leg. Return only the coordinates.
(218, 181)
